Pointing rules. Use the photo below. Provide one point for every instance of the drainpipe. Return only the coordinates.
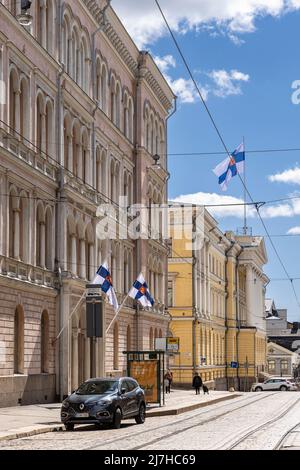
(194, 277)
(237, 314)
(226, 308)
(59, 205)
(167, 186)
(102, 25)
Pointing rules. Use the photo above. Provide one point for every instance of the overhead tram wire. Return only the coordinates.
(208, 154)
(225, 147)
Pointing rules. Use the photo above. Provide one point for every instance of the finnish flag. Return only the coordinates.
(140, 292)
(230, 167)
(103, 278)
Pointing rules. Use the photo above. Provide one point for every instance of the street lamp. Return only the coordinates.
(25, 19)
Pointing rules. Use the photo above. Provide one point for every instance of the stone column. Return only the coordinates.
(43, 133)
(42, 243)
(92, 263)
(16, 250)
(73, 264)
(82, 267)
(43, 19)
(70, 153)
(74, 359)
(87, 359)
(17, 112)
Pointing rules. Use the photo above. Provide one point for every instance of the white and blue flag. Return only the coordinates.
(103, 278)
(140, 292)
(230, 167)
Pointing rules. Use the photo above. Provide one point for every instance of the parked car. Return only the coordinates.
(274, 383)
(103, 400)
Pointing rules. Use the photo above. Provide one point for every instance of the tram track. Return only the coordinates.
(249, 401)
(280, 443)
(230, 445)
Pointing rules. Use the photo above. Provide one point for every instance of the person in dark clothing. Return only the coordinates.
(197, 383)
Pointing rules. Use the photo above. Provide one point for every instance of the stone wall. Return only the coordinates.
(27, 389)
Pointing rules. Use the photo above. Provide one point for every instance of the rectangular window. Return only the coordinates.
(271, 366)
(170, 294)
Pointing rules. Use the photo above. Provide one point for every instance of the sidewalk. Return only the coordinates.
(24, 421)
(181, 401)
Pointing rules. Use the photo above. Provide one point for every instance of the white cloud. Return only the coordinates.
(207, 199)
(288, 209)
(165, 63)
(227, 83)
(288, 176)
(294, 231)
(222, 83)
(145, 24)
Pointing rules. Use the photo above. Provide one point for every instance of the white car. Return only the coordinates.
(274, 383)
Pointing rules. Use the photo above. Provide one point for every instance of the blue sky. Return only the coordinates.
(244, 56)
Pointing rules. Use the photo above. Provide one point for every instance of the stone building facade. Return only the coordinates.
(81, 115)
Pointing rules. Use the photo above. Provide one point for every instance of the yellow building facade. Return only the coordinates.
(210, 306)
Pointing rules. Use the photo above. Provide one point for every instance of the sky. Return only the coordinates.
(245, 59)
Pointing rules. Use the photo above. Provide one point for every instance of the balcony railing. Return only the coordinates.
(25, 152)
(15, 269)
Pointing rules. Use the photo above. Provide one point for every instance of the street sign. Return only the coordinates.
(172, 345)
(169, 344)
(234, 365)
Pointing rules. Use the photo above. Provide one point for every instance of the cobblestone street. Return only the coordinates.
(252, 421)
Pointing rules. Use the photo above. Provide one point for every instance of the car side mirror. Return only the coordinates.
(123, 391)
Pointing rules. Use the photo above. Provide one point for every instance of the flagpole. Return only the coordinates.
(117, 313)
(245, 192)
(69, 318)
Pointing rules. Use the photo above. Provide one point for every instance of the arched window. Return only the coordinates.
(128, 338)
(125, 273)
(40, 236)
(85, 164)
(14, 102)
(66, 44)
(126, 116)
(48, 239)
(76, 150)
(14, 224)
(116, 346)
(89, 253)
(19, 341)
(24, 227)
(130, 120)
(103, 103)
(45, 342)
(68, 145)
(113, 104)
(24, 108)
(50, 26)
(71, 246)
(112, 181)
(85, 64)
(40, 123)
(49, 129)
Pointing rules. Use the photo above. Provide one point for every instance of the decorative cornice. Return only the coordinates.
(120, 47)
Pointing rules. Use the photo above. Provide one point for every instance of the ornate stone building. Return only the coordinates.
(82, 113)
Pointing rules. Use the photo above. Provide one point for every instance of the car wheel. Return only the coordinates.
(140, 418)
(283, 388)
(117, 419)
(69, 427)
(258, 389)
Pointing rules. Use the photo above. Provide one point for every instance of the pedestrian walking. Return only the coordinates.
(168, 379)
(197, 383)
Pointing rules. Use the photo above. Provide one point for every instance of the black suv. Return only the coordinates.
(101, 401)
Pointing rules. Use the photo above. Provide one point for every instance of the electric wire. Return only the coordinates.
(225, 147)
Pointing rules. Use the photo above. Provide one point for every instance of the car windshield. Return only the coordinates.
(97, 388)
